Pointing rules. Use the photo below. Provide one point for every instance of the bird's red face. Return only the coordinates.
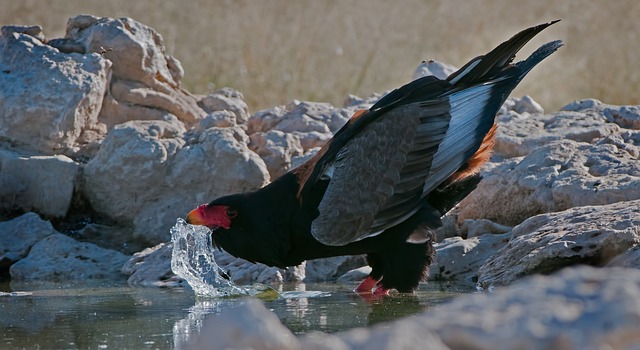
(212, 216)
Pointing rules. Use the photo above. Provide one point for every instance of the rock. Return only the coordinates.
(404, 335)
(247, 326)
(436, 68)
(34, 31)
(625, 116)
(313, 122)
(17, 236)
(630, 258)
(64, 106)
(555, 177)
(526, 104)
(355, 276)
(459, 259)
(219, 119)
(581, 105)
(545, 243)
(327, 269)
(131, 162)
(146, 175)
(152, 268)
(244, 272)
(226, 99)
(522, 133)
(44, 184)
(474, 228)
(276, 149)
(145, 81)
(578, 308)
(60, 258)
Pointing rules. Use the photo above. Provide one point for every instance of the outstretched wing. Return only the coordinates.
(378, 168)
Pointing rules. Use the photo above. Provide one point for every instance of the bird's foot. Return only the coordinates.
(367, 285)
(381, 291)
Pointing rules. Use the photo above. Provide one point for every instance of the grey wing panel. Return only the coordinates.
(409, 190)
(364, 175)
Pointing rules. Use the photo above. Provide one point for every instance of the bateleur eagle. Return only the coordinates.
(380, 186)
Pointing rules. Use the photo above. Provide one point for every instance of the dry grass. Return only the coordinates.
(277, 50)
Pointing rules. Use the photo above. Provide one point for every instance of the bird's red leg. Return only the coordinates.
(367, 285)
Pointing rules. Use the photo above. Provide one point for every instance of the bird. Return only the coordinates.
(380, 186)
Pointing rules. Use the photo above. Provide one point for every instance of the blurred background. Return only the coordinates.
(322, 50)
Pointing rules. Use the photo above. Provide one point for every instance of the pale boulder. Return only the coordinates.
(555, 177)
(545, 243)
(61, 258)
(64, 106)
(146, 174)
(312, 122)
(226, 99)
(522, 133)
(249, 325)
(145, 80)
(277, 149)
(44, 184)
(18, 235)
(459, 259)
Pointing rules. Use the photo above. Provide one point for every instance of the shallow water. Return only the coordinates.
(118, 317)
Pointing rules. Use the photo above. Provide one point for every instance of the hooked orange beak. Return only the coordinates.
(196, 216)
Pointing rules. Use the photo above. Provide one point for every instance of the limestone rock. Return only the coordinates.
(355, 276)
(227, 99)
(577, 308)
(522, 133)
(244, 272)
(152, 268)
(555, 177)
(60, 258)
(247, 326)
(630, 258)
(433, 67)
(625, 116)
(545, 243)
(459, 259)
(64, 106)
(313, 122)
(145, 81)
(17, 236)
(44, 184)
(147, 175)
(276, 149)
(327, 269)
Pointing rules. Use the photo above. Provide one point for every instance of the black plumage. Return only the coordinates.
(381, 184)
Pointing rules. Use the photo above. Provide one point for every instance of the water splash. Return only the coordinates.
(192, 259)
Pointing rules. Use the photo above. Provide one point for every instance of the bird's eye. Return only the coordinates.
(231, 213)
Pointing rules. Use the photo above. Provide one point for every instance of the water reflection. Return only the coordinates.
(69, 317)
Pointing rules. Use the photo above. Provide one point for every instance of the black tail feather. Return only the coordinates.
(487, 66)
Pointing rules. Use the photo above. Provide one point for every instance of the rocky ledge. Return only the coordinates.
(101, 149)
